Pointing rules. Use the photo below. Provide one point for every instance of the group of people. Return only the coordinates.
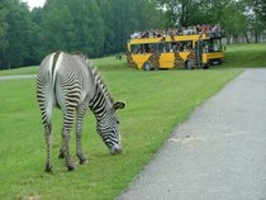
(215, 30)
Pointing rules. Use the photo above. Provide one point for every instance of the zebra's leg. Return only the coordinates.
(67, 126)
(81, 111)
(48, 139)
(47, 122)
(46, 106)
(62, 151)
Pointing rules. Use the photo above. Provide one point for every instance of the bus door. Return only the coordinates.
(198, 52)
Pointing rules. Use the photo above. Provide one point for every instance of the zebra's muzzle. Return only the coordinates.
(115, 150)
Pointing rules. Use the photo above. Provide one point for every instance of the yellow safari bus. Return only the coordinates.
(175, 51)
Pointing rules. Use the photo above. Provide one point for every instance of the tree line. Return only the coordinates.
(102, 27)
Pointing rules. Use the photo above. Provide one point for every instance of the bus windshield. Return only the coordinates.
(212, 45)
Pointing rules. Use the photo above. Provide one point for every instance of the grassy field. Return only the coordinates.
(156, 103)
(245, 56)
(34, 69)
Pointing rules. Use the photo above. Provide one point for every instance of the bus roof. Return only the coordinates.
(168, 39)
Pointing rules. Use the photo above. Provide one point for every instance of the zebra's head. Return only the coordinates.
(108, 129)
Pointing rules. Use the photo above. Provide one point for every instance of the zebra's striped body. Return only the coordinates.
(67, 82)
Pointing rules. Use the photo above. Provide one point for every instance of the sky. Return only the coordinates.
(34, 3)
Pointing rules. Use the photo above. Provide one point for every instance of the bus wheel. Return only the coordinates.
(206, 66)
(147, 66)
(189, 64)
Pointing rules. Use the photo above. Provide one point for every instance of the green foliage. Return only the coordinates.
(57, 21)
(232, 18)
(14, 33)
(97, 28)
(18, 35)
(4, 7)
(259, 8)
(102, 27)
(256, 16)
(228, 13)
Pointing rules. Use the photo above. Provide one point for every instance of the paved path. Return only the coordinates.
(218, 154)
(4, 78)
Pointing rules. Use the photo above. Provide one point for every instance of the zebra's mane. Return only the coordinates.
(99, 81)
(96, 75)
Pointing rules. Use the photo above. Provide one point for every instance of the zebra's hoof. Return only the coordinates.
(83, 161)
(48, 168)
(61, 155)
(70, 168)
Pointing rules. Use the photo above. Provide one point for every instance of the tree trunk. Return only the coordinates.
(246, 36)
(256, 38)
(235, 39)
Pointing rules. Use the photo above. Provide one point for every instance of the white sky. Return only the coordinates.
(34, 3)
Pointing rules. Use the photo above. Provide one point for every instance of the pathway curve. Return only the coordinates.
(218, 154)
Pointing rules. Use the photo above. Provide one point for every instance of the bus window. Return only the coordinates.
(135, 48)
(185, 46)
(153, 48)
(144, 48)
(212, 45)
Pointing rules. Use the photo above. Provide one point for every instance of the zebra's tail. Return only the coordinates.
(46, 80)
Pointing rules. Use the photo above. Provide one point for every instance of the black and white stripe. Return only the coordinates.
(67, 82)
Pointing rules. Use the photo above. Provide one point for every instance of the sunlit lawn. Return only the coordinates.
(245, 56)
(33, 69)
(156, 103)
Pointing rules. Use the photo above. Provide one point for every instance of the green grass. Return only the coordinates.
(20, 71)
(156, 103)
(33, 69)
(245, 56)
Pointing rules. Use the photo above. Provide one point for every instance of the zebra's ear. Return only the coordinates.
(119, 105)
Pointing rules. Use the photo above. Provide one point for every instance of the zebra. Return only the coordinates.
(70, 83)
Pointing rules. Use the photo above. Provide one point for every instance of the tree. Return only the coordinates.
(102, 27)
(148, 15)
(72, 25)
(259, 8)
(132, 15)
(256, 15)
(107, 15)
(182, 12)
(15, 33)
(35, 38)
(233, 18)
(4, 9)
